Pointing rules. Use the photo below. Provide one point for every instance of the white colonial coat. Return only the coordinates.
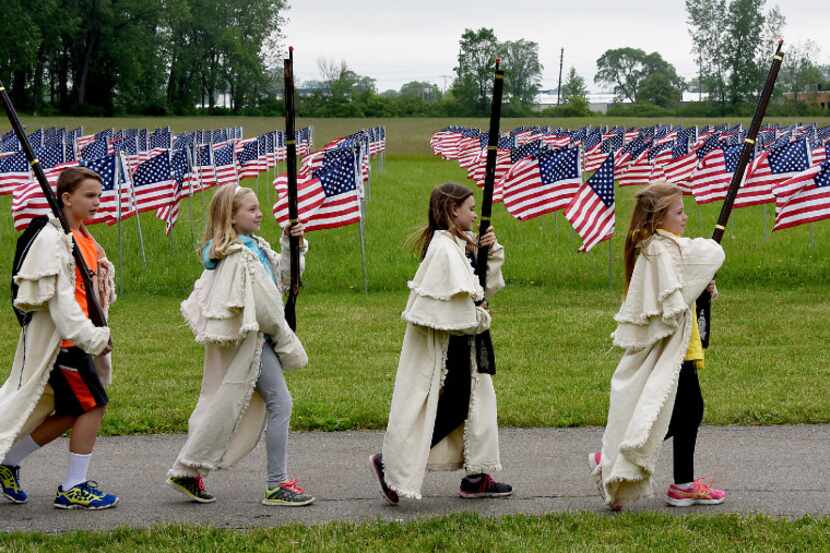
(46, 283)
(230, 311)
(654, 328)
(441, 302)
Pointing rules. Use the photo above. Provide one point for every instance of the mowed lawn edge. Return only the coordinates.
(571, 532)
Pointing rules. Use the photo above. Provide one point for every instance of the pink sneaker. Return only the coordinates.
(698, 494)
(594, 461)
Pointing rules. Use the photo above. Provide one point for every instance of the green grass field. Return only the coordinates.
(574, 533)
(767, 364)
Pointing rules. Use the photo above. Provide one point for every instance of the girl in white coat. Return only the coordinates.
(655, 393)
(236, 311)
(443, 412)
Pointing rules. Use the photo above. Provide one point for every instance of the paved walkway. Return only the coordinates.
(780, 470)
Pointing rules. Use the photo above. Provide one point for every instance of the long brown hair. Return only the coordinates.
(653, 202)
(443, 200)
(71, 179)
(219, 228)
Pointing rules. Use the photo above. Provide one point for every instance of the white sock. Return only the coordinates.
(19, 451)
(76, 472)
(685, 486)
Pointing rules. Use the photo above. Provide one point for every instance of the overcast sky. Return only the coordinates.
(395, 42)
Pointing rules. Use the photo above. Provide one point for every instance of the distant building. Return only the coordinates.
(598, 102)
(816, 95)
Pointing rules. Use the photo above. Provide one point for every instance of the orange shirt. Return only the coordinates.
(89, 251)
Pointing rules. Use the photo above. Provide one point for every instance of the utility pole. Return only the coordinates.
(445, 77)
(559, 86)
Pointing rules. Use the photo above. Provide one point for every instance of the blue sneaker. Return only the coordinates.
(85, 495)
(10, 482)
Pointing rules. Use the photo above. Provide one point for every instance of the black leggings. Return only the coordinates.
(685, 421)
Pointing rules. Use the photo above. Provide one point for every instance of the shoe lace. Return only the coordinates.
(700, 486)
(88, 489)
(292, 486)
(486, 482)
(11, 480)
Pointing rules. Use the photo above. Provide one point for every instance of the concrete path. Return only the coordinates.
(781, 470)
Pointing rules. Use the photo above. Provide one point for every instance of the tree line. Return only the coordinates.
(156, 57)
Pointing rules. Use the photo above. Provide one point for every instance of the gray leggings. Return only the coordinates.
(271, 386)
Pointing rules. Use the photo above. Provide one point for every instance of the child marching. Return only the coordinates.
(443, 410)
(655, 392)
(61, 364)
(236, 312)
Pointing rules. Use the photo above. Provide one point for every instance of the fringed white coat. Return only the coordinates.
(230, 311)
(46, 281)
(441, 302)
(654, 328)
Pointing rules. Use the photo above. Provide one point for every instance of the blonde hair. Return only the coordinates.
(443, 200)
(219, 231)
(653, 202)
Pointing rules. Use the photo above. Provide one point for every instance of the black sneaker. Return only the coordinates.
(483, 485)
(376, 464)
(192, 487)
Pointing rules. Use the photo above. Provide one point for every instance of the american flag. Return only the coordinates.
(248, 158)
(770, 168)
(338, 178)
(223, 159)
(36, 139)
(28, 202)
(14, 172)
(537, 185)
(10, 143)
(181, 171)
(108, 208)
(160, 138)
(591, 212)
(279, 146)
(204, 167)
(640, 170)
(153, 184)
(681, 165)
(95, 149)
(51, 159)
(803, 198)
(444, 143)
(310, 196)
(710, 181)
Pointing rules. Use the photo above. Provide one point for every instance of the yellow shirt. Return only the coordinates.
(695, 351)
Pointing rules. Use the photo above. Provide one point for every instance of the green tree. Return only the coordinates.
(746, 21)
(800, 70)
(523, 72)
(636, 76)
(473, 84)
(425, 91)
(707, 20)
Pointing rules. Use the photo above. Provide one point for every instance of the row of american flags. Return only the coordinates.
(146, 170)
(331, 182)
(539, 170)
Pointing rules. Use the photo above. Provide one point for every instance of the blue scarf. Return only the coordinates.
(249, 243)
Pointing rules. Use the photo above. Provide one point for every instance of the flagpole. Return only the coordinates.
(119, 282)
(704, 302)
(197, 170)
(291, 172)
(137, 213)
(362, 223)
(190, 194)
